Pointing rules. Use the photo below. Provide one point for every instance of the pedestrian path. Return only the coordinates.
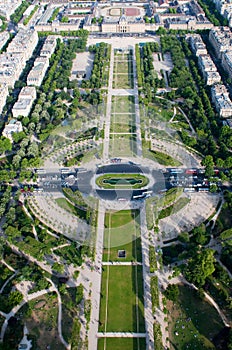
(121, 335)
(123, 263)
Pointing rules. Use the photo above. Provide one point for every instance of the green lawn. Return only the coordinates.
(63, 203)
(122, 293)
(122, 145)
(193, 322)
(123, 104)
(123, 118)
(123, 66)
(123, 122)
(159, 157)
(122, 181)
(121, 343)
(123, 81)
(122, 232)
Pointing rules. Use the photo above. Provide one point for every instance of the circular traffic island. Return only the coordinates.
(122, 181)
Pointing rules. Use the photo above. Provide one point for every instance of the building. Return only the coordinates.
(48, 46)
(25, 101)
(197, 45)
(207, 68)
(11, 66)
(3, 96)
(221, 40)
(227, 62)
(206, 64)
(212, 78)
(123, 24)
(8, 7)
(37, 73)
(220, 98)
(24, 43)
(4, 36)
(57, 26)
(13, 126)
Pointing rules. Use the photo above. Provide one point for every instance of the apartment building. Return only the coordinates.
(197, 45)
(212, 78)
(48, 46)
(11, 66)
(24, 43)
(208, 69)
(7, 7)
(220, 98)
(221, 39)
(11, 127)
(4, 36)
(37, 73)
(3, 96)
(227, 62)
(25, 101)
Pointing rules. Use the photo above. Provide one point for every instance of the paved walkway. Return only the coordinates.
(148, 316)
(108, 108)
(137, 111)
(123, 263)
(96, 281)
(121, 335)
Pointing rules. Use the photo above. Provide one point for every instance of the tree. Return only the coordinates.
(58, 267)
(5, 144)
(172, 292)
(15, 298)
(200, 267)
(16, 161)
(213, 188)
(18, 136)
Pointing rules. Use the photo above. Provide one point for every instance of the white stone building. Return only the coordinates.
(25, 101)
(37, 73)
(197, 45)
(3, 96)
(8, 7)
(227, 62)
(11, 66)
(13, 126)
(212, 78)
(221, 39)
(24, 43)
(220, 98)
(48, 46)
(4, 36)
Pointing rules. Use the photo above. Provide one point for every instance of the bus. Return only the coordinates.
(176, 171)
(40, 171)
(65, 171)
(203, 189)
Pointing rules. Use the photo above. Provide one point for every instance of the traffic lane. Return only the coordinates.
(83, 182)
(118, 194)
(122, 168)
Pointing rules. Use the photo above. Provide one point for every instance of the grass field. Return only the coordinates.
(123, 72)
(193, 323)
(122, 343)
(123, 122)
(123, 104)
(122, 307)
(122, 181)
(122, 145)
(123, 81)
(122, 232)
(123, 66)
(159, 157)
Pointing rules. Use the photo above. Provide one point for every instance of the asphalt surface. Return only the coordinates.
(83, 180)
